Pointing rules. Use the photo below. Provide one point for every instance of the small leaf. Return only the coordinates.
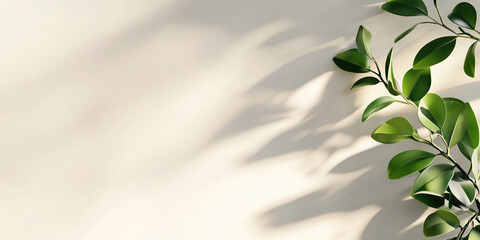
(439, 222)
(456, 122)
(464, 15)
(409, 162)
(474, 233)
(465, 150)
(365, 82)
(377, 105)
(475, 164)
(464, 191)
(416, 83)
(392, 85)
(434, 52)
(471, 137)
(432, 181)
(405, 33)
(469, 64)
(406, 8)
(394, 130)
(364, 40)
(352, 61)
(432, 112)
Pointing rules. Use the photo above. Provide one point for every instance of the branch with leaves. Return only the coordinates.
(448, 187)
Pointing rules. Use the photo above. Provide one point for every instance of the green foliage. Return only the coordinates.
(434, 52)
(464, 15)
(439, 222)
(449, 121)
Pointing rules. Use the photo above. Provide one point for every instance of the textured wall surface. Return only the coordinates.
(201, 119)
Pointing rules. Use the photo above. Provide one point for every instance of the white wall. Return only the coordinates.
(200, 119)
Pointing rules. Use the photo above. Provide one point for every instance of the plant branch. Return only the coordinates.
(460, 234)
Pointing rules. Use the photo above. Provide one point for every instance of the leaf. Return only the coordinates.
(408, 162)
(464, 15)
(471, 137)
(439, 222)
(392, 85)
(456, 122)
(352, 61)
(416, 83)
(469, 64)
(464, 191)
(475, 164)
(405, 33)
(432, 112)
(465, 150)
(377, 105)
(394, 130)
(365, 82)
(432, 181)
(364, 40)
(406, 8)
(474, 233)
(434, 52)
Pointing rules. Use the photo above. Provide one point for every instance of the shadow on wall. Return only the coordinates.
(335, 104)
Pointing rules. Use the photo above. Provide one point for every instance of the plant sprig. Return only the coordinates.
(447, 187)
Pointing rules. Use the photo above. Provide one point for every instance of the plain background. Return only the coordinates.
(202, 119)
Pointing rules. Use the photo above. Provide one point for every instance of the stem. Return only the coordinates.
(452, 31)
(460, 234)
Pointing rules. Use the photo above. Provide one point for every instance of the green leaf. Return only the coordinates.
(439, 222)
(394, 130)
(364, 40)
(416, 83)
(464, 15)
(406, 8)
(475, 164)
(365, 82)
(377, 105)
(392, 85)
(432, 181)
(432, 112)
(405, 33)
(474, 233)
(464, 191)
(408, 162)
(434, 52)
(469, 64)
(352, 60)
(471, 137)
(465, 150)
(456, 122)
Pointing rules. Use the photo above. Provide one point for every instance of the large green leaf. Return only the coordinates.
(434, 52)
(432, 181)
(406, 8)
(364, 40)
(456, 122)
(464, 15)
(352, 60)
(474, 233)
(464, 191)
(475, 164)
(439, 222)
(432, 112)
(394, 130)
(471, 137)
(416, 83)
(377, 105)
(392, 85)
(469, 64)
(408, 162)
(365, 82)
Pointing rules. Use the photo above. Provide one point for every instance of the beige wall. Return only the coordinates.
(200, 119)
